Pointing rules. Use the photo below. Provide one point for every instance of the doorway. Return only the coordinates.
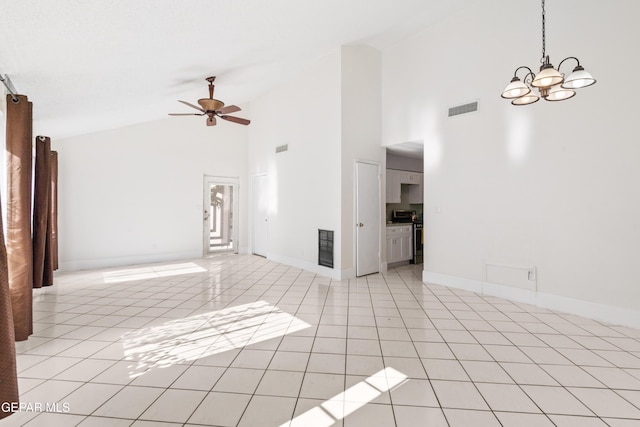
(260, 214)
(220, 214)
(368, 221)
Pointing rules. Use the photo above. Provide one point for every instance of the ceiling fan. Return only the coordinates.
(213, 108)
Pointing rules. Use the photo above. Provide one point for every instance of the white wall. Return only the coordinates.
(305, 181)
(551, 185)
(135, 194)
(147, 205)
(329, 116)
(361, 111)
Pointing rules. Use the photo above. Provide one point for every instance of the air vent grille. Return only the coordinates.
(463, 109)
(325, 248)
(281, 148)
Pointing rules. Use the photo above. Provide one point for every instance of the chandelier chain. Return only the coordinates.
(544, 38)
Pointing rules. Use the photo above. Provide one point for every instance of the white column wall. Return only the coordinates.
(551, 185)
(361, 111)
(304, 181)
(135, 194)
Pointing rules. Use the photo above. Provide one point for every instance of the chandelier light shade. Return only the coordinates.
(515, 89)
(526, 99)
(547, 77)
(550, 83)
(578, 78)
(559, 93)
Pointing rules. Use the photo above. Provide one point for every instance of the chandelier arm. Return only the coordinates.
(529, 76)
(515, 73)
(570, 57)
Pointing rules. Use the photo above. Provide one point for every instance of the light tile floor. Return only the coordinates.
(237, 340)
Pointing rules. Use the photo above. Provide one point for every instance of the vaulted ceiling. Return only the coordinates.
(90, 65)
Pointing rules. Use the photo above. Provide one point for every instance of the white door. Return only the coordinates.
(367, 218)
(260, 214)
(220, 214)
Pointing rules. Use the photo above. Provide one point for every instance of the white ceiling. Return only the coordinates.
(91, 65)
(407, 149)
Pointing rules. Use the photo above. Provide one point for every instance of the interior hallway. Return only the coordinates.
(239, 340)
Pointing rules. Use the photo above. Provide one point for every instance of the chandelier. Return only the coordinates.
(551, 84)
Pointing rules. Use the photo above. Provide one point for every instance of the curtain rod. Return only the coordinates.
(7, 83)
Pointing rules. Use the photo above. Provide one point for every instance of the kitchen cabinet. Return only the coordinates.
(396, 178)
(416, 192)
(406, 245)
(409, 177)
(393, 186)
(399, 243)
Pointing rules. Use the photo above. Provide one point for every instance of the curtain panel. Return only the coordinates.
(18, 236)
(54, 210)
(8, 375)
(42, 266)
(8, 370)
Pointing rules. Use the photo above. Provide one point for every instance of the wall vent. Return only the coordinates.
(517, 276)
(463, 109)
(325, 248)
(281, 148)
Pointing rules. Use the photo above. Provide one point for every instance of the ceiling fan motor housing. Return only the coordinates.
(208, 104)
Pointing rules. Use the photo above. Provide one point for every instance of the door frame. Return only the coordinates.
(355, 213)
(206, 201)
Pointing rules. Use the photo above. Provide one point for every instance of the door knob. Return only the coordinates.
(206, 215)
(360, 224)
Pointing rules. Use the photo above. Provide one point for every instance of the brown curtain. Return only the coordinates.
(42, 267)
(54, 211)
(19, 244)
(8, 376)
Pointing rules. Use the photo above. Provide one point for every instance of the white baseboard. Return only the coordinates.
(314, 268)
(86, 264)
(348, 273)
(601, 312)
(384, 267)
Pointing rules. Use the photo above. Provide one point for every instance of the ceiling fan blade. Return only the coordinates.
(211, 121)
(236, 120)
(186, 114)
(228, 109)
(192, 106)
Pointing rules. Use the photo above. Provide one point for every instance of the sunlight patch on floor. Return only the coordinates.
(203, 335)
(349, 401)
(153, 272)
